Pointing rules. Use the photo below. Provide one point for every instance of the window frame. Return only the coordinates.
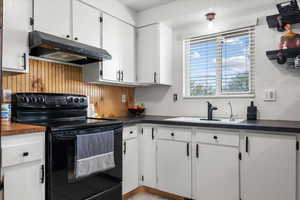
(219, 37)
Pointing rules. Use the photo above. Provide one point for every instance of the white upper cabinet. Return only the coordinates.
(268, 167)
(86, 24)
(127, 53)
(53, 17)
(118, 38)
(70, 19)
(154, 54)
(111, 43)
(16, 26)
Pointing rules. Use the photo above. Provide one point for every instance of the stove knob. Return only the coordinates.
(76, 100)
(41, 99)
(81, 100)
(35, 100)
(25, 100)
(70, 100)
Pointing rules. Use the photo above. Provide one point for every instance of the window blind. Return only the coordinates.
(220, 64)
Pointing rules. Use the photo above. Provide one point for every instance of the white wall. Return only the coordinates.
(159, 100)
(115, 8)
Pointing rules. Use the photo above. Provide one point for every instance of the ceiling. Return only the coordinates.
(140, 5)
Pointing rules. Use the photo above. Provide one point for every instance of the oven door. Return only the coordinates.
(105, 185)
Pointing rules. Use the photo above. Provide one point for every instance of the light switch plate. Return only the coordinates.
(270, 95)
(123, 98)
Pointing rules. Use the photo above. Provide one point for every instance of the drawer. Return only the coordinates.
(22, 153)
(130, 132)
(179, 134)
(230, 138)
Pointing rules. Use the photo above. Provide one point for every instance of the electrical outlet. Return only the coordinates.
(270, 95)
(123, 99)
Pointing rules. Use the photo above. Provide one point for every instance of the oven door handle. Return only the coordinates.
(64, 137)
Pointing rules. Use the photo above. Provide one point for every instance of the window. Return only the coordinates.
(220, 64)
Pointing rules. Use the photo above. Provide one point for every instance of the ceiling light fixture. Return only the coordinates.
(210, 16)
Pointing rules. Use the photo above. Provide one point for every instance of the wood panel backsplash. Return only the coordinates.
(58, 78)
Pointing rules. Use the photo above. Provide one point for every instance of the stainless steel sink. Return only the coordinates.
(200, 120)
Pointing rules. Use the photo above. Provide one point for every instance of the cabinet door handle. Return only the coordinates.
(130, 132)
(155, 74)
(124, 148)
(42, 174)
(25, 154)
(172, 134)
(188, 149)
(152, 133)
(122, 75)
(118, 75)
(25, 61)
(215, 137)
(247, 144)
(197, 151)
(76, 38)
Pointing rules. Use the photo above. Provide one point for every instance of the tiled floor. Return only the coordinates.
(145, 196)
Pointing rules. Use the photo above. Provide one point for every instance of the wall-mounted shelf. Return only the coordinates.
(286, 53)
(287, 18)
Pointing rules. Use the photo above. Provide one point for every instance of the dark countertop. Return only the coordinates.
(260, 125)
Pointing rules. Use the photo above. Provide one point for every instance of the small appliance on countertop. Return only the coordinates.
(252, 112)
(65, 116)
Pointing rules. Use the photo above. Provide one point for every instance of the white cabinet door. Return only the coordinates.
(127, 53)
(86, 24)
(24, 182)
(216, 172)
(268, 167)
(16, 26)
(148, 52)
(130, 165)
(174, 167)
(148, 157)
(111, 42)
(53, 17)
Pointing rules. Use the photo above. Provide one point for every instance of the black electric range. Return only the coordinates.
(65, 116)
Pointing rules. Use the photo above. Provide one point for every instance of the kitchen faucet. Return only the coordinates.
(231, 113)
(210, 109)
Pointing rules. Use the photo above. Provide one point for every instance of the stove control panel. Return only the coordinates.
(49, 100)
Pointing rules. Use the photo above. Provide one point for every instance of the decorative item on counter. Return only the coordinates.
(290, 39)
(137, 111)
(290, 63)
(252, 112)
(297, 62)
(6, 111)
(6, 96)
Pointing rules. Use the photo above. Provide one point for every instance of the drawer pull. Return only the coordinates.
(25, 154)
(130, 132)
(172, 134)
(152, 133)
(124, 148)
(215, 137)
(42, 174)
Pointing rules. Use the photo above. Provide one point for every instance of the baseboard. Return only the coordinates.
(153, 191)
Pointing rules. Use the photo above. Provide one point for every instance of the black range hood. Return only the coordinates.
(59, 49)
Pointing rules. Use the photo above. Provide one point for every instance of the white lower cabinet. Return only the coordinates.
(130, 163)
(268, 167)
(174, 162)
(216, 165)
(23, 167)
(210, 164)
(148, 156)
(130, 159)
